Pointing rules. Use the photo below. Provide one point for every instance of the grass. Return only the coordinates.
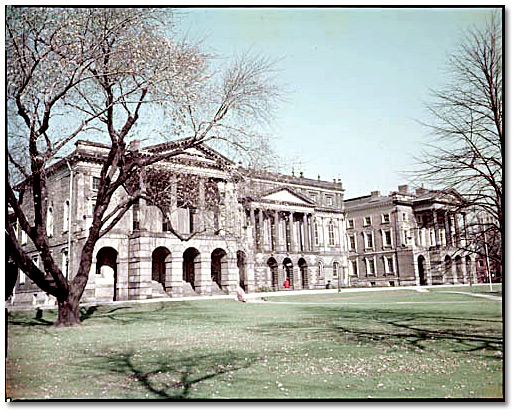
(393, 344)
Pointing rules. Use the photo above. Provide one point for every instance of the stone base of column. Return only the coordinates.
(174, 289)
(204, 289)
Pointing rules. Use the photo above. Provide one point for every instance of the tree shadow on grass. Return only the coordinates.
(171, 378)
(388, 329)
(28, 319)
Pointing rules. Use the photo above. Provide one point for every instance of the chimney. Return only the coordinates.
(301, 174)
(403, 189)
(375, 194)
(134, 145)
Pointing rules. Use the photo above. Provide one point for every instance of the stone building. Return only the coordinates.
(407, 239)
(236, 227)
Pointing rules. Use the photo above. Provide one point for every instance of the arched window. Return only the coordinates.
(332, 240)
(320, 271)
(66, 215)
(50, 221)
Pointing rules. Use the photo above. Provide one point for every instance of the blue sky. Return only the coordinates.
(356, 81)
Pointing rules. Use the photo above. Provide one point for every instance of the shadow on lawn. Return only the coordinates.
(171, 378)
(404, 330)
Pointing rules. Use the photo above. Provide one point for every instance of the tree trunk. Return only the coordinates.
(68, 313)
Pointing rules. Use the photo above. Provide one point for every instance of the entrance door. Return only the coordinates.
(422, 274)
(302, 264)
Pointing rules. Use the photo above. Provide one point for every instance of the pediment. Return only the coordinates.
(200, 152)
(287, 196)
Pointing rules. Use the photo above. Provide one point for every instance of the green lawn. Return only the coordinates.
(387, 344)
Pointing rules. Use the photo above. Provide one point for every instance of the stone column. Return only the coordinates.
(203, 274)
(269, 236)
(290, 237)
(457, 231)
(230, 276)
(447, 228)
(276, 235)
(252, 219)
(305, 233)
(261, 237)
(173, 284)
(465, 226)
(436, 229)
(312, 233)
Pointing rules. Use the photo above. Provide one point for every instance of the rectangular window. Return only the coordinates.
(387, 238)
(370, 267)
(22, 277)
(329, 200)
(432, 237)
(96, 181)
(192, 219)
(367, 221)
(135, 216)
(390, 265)
(405, 216)
(24, 237)
(313, 197)
(369, 240)
(353, 267)
(65, 263)
(332, 240)
(164, 224)
(66, 214)
(350, 223)
(352, 242)
(316, 234)
(385, 218)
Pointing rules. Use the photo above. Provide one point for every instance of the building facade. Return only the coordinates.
(235, 227)
(407, 239)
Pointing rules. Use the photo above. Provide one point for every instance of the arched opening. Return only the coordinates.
(273, 269)
(304, 275)
(421, 263)
(161, 265)
(288, 273)
(469, 270)
(190, 266)
(106, 266)
(447, 268)
(218, 266)
(241, 264)
(458, 268)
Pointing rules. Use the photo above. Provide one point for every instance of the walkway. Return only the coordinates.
(258, 295)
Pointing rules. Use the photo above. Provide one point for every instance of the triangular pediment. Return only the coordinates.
(200, 152)
(285, 195)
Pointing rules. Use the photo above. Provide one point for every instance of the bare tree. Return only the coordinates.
(466, 124)
(97, 69)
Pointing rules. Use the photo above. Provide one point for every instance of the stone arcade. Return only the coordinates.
(243, 228)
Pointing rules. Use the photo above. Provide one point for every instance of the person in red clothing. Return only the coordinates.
(286, 284)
